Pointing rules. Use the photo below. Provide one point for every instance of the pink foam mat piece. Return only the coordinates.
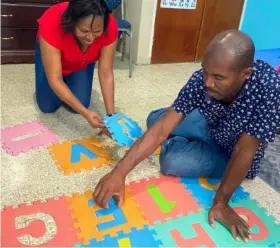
(171, 190)
(15, 147)
(37, 229)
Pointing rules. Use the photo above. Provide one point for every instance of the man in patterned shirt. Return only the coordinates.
(218, 126)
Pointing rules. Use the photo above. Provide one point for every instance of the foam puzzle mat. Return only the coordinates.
(158, 212)
(124, 130)
(80, 154)
(162, 211)
(24, 137)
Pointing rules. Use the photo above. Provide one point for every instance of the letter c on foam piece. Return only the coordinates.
(25, 222)
(204, 183)
(253, 220)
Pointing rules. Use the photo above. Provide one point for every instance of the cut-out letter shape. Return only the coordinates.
(44, 232)
(124, 242)
(185, 231)
(81, 154)
(201, 238)
(24, 137)
(96, 222)
(76, 152)
(164, 205)
(163, 197)
(134, 238)
(30, 225)
(204, 190)
(254, 221)
(114, 210)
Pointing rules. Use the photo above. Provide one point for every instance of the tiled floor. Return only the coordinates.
(33, 175)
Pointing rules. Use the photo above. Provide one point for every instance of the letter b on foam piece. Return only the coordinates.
(22, 138)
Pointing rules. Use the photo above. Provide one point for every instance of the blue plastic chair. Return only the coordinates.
(125, 28)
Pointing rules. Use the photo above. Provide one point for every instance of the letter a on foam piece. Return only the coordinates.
(14, 140)
(80, 154)
(78, 150)
(46, 224)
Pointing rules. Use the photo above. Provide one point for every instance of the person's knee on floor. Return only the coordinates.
(45, 106)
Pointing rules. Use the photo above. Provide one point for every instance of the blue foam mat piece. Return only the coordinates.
(135, 238)
(117, 129)
(77, 150)
(205, 196)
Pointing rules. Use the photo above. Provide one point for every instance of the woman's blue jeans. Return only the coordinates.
(190, 151)
(79, 82)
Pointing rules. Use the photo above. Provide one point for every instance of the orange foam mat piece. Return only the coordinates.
(95, 222)
(62, 153)
(157, 151)
(42, 224)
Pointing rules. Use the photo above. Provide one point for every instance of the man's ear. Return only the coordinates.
(246, 73)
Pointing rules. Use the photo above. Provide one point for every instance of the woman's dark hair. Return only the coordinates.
(78, 9)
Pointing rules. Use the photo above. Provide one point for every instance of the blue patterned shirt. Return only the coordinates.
(256, 110)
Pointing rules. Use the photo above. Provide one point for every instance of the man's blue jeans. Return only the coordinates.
(190, 151)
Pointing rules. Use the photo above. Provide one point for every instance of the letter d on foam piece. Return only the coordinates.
(253, 221)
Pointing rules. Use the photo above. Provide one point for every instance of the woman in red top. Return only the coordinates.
(71, 38)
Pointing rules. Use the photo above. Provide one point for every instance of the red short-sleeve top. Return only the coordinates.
(72, 58)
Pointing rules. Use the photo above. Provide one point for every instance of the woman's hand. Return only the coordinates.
(94, 119)
(106, 132)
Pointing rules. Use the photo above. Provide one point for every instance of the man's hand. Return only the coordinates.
(223, 213)
(94, 119)
(112, 184)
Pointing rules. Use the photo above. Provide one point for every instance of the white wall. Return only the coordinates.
(141, 14)
(133, 9)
